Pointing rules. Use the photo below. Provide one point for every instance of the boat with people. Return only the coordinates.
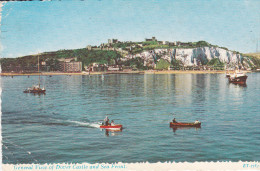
(110, 126)
(238, 77)
(174, 123)
(114, 127)
(36, 89)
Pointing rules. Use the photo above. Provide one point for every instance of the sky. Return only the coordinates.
(31, 27)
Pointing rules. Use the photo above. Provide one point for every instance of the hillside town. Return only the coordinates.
(150, 54)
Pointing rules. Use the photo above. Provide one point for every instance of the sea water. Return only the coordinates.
(62, 125)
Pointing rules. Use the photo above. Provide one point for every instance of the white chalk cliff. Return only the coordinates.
(194, 56)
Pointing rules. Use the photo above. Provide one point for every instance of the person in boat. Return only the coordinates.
(174, 120)
(112, 123)
(196, 122)
(106, 121)
(35, 87)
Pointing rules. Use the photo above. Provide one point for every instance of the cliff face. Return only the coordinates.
(194, 56)
(205, 54)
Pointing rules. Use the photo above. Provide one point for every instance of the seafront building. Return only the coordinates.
(69, 65)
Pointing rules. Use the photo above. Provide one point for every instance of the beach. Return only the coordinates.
(124, 72)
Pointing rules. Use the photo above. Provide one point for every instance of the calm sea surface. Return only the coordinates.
(61, 126)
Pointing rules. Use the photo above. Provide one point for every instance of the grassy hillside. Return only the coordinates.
(256, 55)
(105, 56)
(51, 58)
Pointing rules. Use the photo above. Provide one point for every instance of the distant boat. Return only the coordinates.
(238, 78)
(180, 124)
(36, 89)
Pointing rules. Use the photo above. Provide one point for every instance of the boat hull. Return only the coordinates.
(35, 91)
(238, 80)
(178, 124)
(115, 127)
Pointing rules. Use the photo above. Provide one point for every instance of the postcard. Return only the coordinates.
(130, 85)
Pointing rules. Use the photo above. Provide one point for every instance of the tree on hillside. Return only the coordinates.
(163, 64)
(177, 64)
(202, 43)
(137, 63)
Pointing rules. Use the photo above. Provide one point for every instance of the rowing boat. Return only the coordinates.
(179, 124)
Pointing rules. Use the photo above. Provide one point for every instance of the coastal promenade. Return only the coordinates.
(123, 72)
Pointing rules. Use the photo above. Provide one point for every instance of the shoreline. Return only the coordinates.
(121, 72)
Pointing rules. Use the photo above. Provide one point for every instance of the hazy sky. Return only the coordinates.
(31, 27)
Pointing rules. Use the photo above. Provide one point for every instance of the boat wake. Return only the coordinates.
(57, 122)
(85, 124)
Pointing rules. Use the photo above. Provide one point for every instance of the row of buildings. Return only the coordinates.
(176, 43)
(62, 65)
(153, 39)
(95, 67)
(70, 65)
(111, 42)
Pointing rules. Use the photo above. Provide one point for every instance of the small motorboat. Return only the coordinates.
(180, 124)
(114, 127)
(110, 126)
